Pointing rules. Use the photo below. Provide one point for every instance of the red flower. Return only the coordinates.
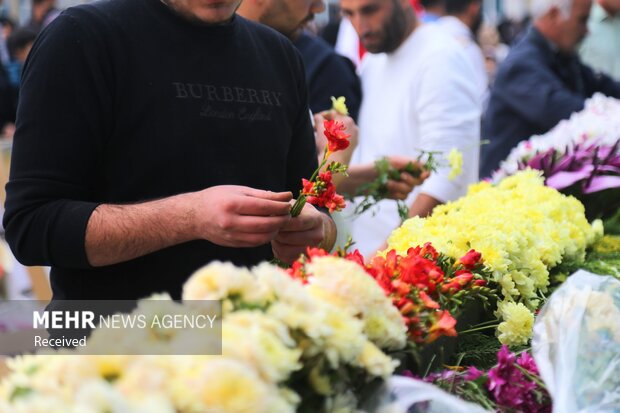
(337, 139)
(356, 256)
(322, 193)
(457, 283)
(470, 260)
(308, 187)
(428, 301)
(444, 326)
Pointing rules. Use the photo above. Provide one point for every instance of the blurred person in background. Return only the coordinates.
(462, 21)
(542, 81)
(418, 95)
(42, 14)
(327, 73)
(515, 21)
(6, 28)
(19, 44)
(601, 48)
(432, 10)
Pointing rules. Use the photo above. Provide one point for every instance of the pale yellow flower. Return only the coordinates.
(455, 159)
(346, 285)
(339, 105)
(516, 329)
(226, 385)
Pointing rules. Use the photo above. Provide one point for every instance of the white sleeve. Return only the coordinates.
(449, 114)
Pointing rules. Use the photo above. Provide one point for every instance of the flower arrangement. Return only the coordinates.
(427, 289)
(286, 346)
(579, 157)
(591, 174)
(513, 385)
(522, 229)
(597, 124)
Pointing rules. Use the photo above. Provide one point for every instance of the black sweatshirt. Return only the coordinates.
(124, 101)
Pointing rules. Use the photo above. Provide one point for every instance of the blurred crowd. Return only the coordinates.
(426, 76)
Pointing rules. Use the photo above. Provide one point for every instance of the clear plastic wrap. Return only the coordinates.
(576, 344)
(404, 395)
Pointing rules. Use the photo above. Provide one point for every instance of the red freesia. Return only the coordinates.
(337, 139)
(470, 260)
(443, 326)
(322, 193)
(422, 284)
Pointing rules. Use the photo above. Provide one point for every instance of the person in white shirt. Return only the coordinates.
(418, 95)
(462, 21)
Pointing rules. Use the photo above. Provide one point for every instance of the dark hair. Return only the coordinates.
(431, 3)
(7, 21)
(458, 6)
(20, 38)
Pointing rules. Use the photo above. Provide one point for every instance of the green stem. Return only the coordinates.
(301, 200)
(472, 330)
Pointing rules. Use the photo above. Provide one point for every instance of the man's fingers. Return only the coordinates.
(398, 189)
(304, 238)
(274, 196)
(250, 205)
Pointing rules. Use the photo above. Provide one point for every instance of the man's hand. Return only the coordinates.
(231, 216)
(400, 189)
(238, 216)
(310, 229)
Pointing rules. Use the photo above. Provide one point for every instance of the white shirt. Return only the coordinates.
(348, 42)
(418, 97)
(464, 37)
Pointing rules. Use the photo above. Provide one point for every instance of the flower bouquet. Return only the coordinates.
(286, 346)
(513, 385)
(579, 157)
(521, 227)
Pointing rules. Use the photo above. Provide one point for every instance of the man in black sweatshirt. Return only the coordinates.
(154, 136)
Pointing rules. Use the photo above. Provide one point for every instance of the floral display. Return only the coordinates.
(513, 385)
(579, 157)
(597, 124)
(427, 289)
(521, 227)
(319, 190)
(286, 346)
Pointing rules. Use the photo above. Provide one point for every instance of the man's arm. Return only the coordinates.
(231, 216)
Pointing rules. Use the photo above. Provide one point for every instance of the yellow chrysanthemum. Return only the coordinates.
(516, 329)
(521, 227)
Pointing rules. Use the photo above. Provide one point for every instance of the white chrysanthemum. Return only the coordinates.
(262, 342)
(376, 362)
(347, 285)
(226, 385)
(218, 281)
